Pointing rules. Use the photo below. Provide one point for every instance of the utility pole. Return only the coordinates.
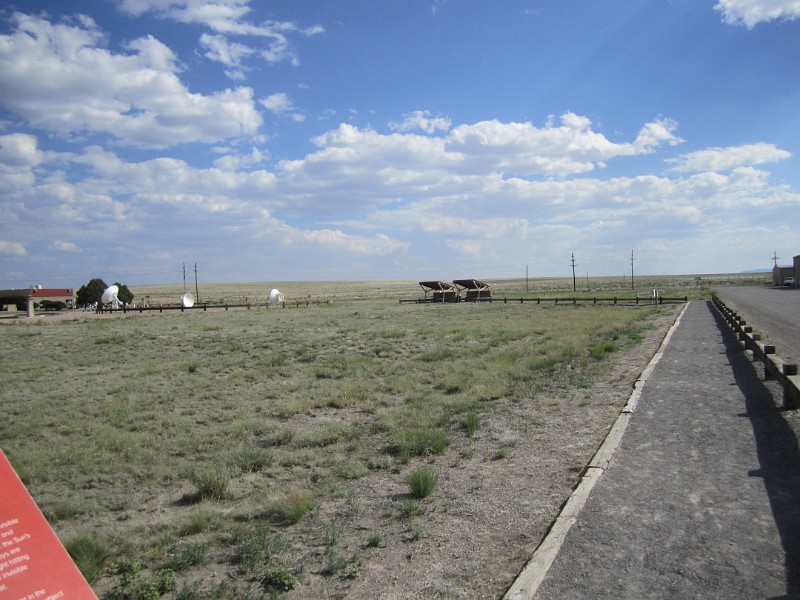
(631, 269)
(196, 291)
(574, 288)
(184, 279)
(775, 257)
(526, 278)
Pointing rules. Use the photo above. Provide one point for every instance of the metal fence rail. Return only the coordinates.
(569, 300)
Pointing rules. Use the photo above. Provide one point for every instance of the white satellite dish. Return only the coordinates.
(275, 297)
(110, 296)
(187, 300)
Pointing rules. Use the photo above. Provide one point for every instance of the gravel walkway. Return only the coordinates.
(702, 498)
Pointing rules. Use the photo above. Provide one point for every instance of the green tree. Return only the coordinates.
(125, 295)
(91, 292)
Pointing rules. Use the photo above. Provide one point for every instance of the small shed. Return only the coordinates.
(476, 290)
(442, 292)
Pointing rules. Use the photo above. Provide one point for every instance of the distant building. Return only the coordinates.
(781, 272)
(39, 293)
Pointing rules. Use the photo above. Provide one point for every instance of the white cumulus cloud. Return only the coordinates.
(422, 120)
(573, 147)
(724, 159)
(280, 104)
(752, 12)
(231, 54)
(60, 78)
(19, 150)
(12, 248)
(64, 246)
(228, 18)
(472, 150)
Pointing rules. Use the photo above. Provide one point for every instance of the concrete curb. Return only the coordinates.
(533, 573)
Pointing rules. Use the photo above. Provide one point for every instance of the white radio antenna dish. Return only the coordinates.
(110, 296)
(275, 297)
(187, 300)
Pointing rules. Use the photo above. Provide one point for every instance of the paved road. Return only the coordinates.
(702, 497)
(773, 312)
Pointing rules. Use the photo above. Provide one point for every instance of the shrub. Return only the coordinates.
(598, 351)
(471, 423)
(188, 592)
(250, 459)
(191, 555)
(52, 305)
(258, 547)
(279, 579)
(419, 441)
(422, 481)
(154, 587)
(352, 470)
(212, 483)
(411, 508)
(132, 587)
(293, 505)
(89, 554)
(195, 523)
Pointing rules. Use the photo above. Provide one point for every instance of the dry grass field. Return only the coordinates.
(360, 448)
(258, 292)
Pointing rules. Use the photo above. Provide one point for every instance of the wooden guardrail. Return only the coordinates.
(572, 300)
(775, 367)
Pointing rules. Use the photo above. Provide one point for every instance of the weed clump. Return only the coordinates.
(419, 441)
(131, 585)
(598, 351)
(292, 506)
(422, 481)
(211, 484)
(471, 423)
(258, 547)
(279, 579)
(90, 555)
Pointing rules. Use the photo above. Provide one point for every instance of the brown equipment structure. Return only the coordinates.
(476, 290)
(462, 290)
(442, 292)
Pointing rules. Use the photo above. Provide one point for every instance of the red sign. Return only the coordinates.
(33, 563)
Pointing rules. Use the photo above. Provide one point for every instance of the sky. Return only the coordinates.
(286, 140)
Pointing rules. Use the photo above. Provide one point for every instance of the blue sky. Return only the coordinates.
(414, 139)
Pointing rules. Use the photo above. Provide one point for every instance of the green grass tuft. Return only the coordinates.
(598, 351)
(89, 553)
(419, 442)
(422, 480)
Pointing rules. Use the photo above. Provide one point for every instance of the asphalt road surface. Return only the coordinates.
(774, 312)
